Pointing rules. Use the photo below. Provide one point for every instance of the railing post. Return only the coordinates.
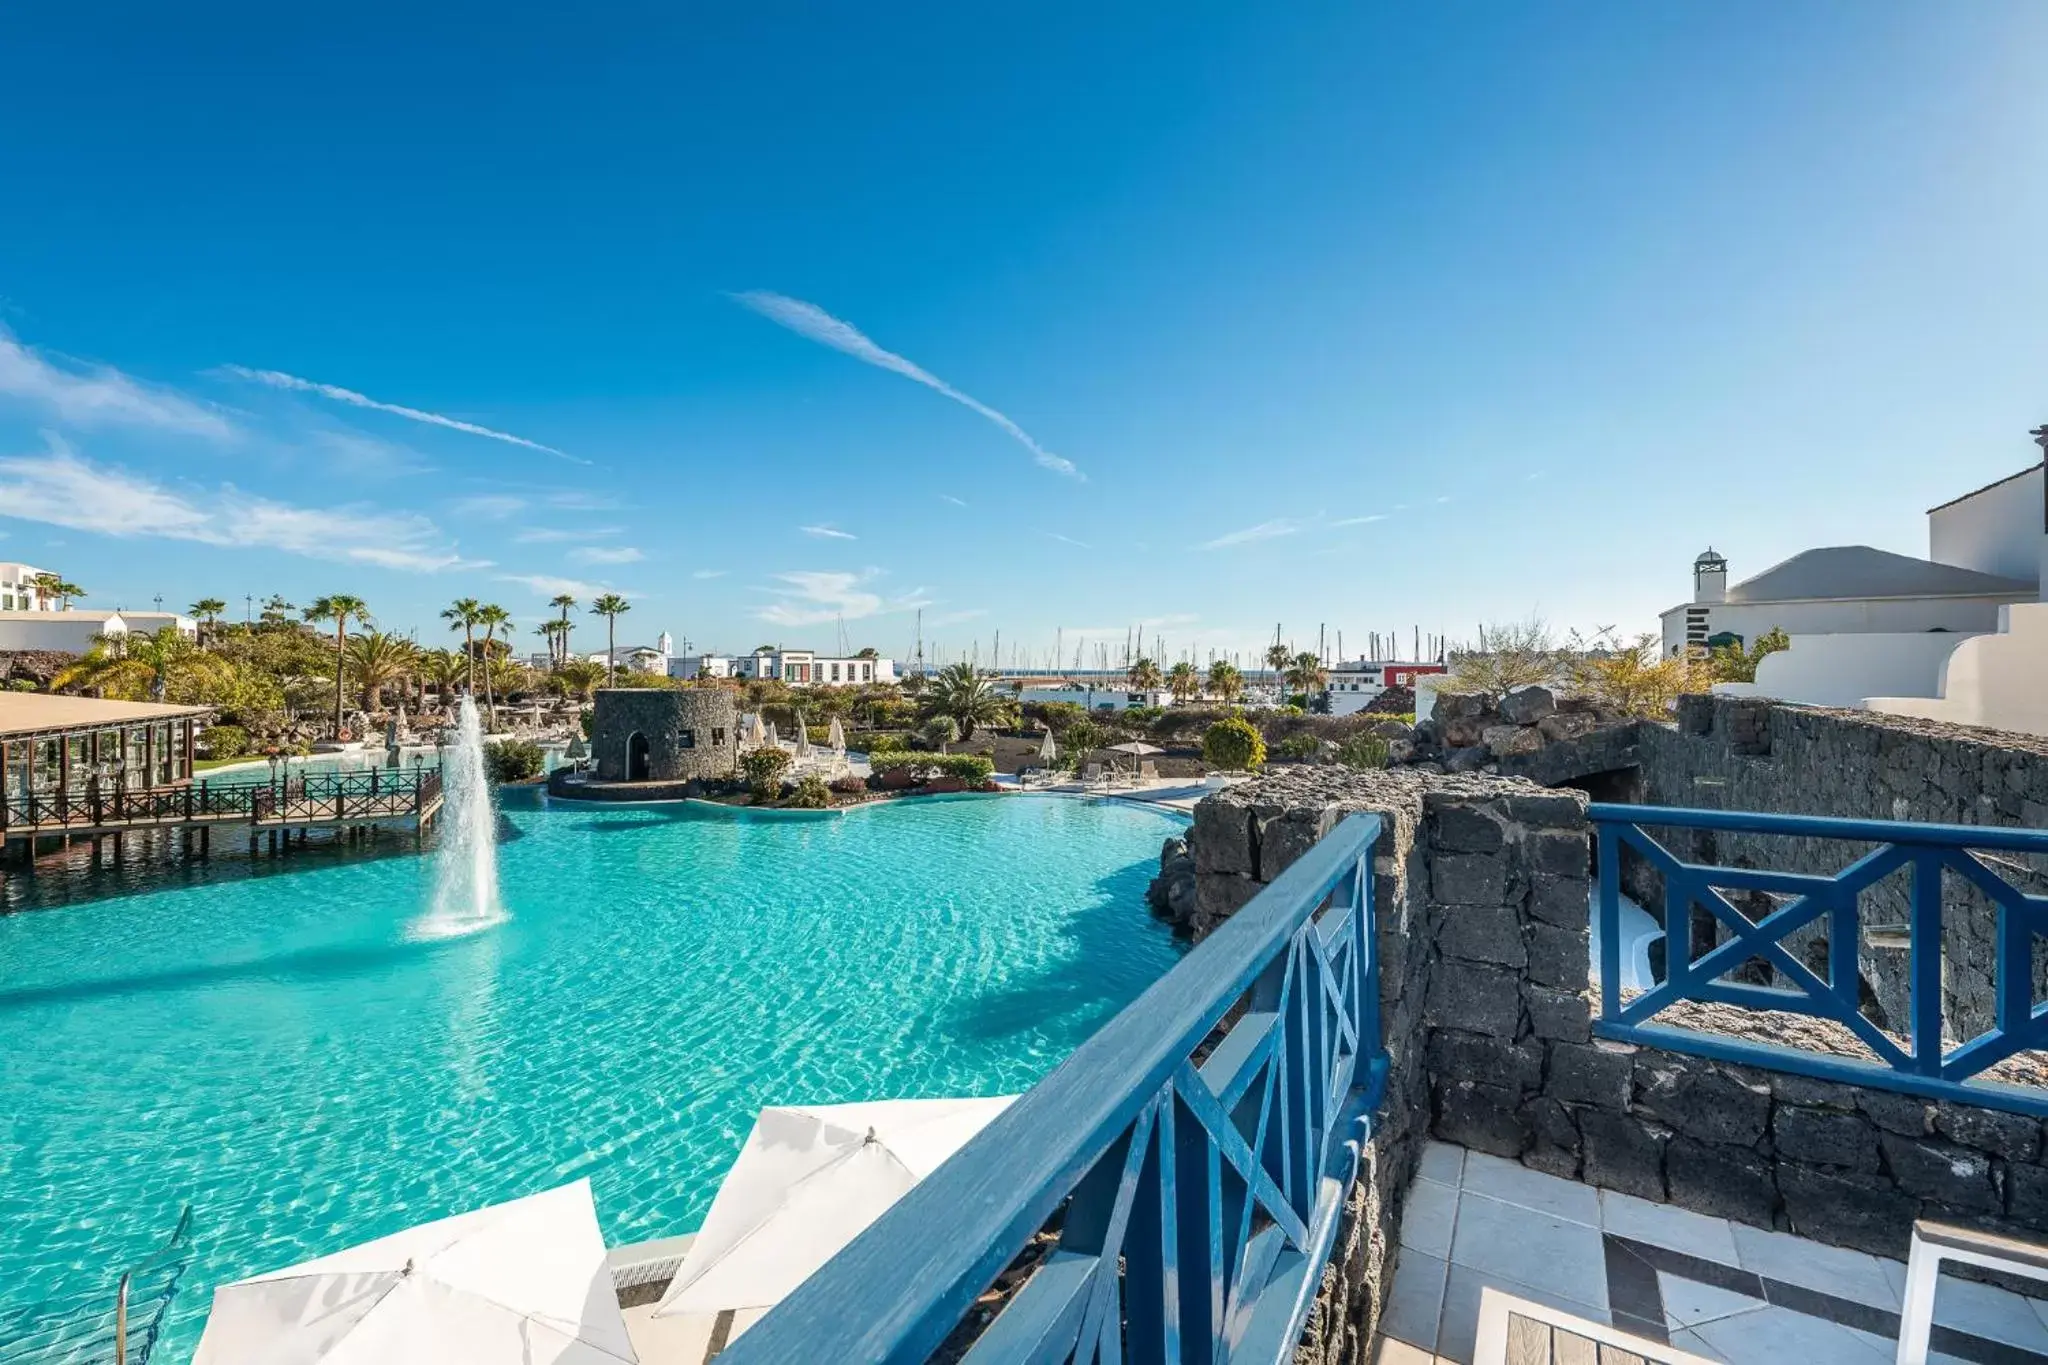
(1926, 964)
(1609, 841)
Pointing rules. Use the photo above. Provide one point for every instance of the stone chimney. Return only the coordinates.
(1710, 578)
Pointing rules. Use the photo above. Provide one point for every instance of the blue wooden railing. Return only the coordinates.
(1210, 1171)
(1921, 1062)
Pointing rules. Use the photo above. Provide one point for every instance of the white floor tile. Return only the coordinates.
(1415, 1303)
(1663, 1225)
(2015, 1319)
(1688, 1303)
(1779, 1334)
(1391, 1352)
(1442, 1162)
(1555, 1255)
(1461, 1309)
(1514, 1183)
(1832, 1270)
(1428, 1217)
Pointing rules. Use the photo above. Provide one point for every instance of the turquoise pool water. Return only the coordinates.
(274, 1047)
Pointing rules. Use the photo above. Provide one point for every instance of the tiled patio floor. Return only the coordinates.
(1722, 1290)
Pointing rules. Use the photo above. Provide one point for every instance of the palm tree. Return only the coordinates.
(610, 606)
(208, 610)
(490, 616)
(444, 668)
(461, 614)
(1225, 680)
(276, 611)
(1183, 681)
(54, 585)
(134, 666)
(1143, 675)
(377, 659)
(580, 677)
(1306, 675)
(565, 604)
(965, 695)
(551, 631)
(1278, 657)
(338, 608)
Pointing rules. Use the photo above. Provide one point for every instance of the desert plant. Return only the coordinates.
(1733, 663)
(763, 769)
(513, 760)
(1300, 747)
(967, 695)
(938, 732)
(811, 793)
(1234, 745)
(1631, 680)
(1363, 751)
(1511, 655)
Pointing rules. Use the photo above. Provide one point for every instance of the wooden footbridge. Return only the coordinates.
(395, 798)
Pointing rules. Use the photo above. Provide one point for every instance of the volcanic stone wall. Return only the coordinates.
(691, 734)
(1482, 890)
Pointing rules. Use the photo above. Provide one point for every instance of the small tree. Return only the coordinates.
(513, 760)
(1733, 663)
(1234, 744)
(1517, 654)
(763, 769)
(938, 732)
(812, 793)
(1633, 681)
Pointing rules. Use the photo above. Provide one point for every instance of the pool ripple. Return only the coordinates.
(272, 1047)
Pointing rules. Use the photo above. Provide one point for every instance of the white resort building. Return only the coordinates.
(796, 667)
(19, 590)
(1960, 636)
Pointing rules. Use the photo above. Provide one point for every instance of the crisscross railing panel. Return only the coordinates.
(1926, 1061)
(1191, 1172)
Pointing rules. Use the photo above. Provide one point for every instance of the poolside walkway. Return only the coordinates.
(1722, 1290)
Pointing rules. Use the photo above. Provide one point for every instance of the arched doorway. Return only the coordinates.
(636, 758)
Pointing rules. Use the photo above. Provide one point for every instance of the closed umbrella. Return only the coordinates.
(523, 1283)
(773, 741)
(836, 737)
(1047, 750)
(803, 737)
(809, 1180)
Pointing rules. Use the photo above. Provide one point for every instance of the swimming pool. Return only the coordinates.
(278, 1048)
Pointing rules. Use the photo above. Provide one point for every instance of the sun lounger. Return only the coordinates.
(1148, 771)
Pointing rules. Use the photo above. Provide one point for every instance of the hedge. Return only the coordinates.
(973, 769)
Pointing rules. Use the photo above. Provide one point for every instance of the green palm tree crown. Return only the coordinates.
(610, 606)
(131, 667)
(565, 604)
(376, 659)
(338, 608)
(965, 695)
(1225, 680)
(1277, 657)
(1183, 681)
(1306, 674)
(1143, 674)
(461, 614)
(55, 585)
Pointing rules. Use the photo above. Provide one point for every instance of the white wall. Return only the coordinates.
(1883, 615)
(1841, 670)
(70, 631)
(2000, 681)
(1996, 531)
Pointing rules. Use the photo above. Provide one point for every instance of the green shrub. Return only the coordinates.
(1234, 745)
(1299, 748)
(1139, 717)
(1055, 715)
(1362, 751)
(513, 760)
(939, 731)
(21, 684)
(812, 793)
(226, 741)
(972, 769)
(888, 741)
(763, 769)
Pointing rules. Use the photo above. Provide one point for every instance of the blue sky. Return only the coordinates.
(1041, 319)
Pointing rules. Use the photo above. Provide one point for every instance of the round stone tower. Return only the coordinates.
(655, 734)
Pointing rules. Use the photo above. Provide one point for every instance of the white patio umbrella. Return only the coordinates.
(803, 737)
(773, 740)
(523, 1283)
(808, 1181)
(836, 736)
(1047, 750)
(1137, 749)
(756, 736)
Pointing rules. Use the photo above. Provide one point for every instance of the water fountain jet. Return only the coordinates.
(466, 866)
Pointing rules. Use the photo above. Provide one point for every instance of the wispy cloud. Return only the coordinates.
(809, 320)
(59, 488)
(561, 535)
(954, 618)
(1360, 521)
(491, 506)
(101, 396)
(827, 532)
(948, 497)
(1251, 535)
(606, 554)
(711, 573)
(809, 598)
(292, 383)
(548, 585)
(1067, 540)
